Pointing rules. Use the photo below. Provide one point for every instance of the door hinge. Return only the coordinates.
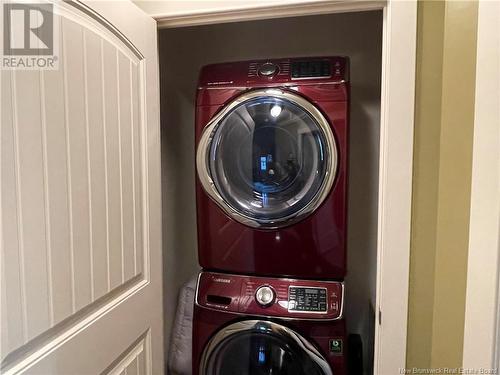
(379, 317)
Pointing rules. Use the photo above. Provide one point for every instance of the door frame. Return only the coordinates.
(482, 320)
(396, 142)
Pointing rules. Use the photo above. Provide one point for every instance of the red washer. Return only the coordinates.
(252, 325)
(272, 140)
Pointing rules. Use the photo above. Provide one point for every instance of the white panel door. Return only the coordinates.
(80, 200)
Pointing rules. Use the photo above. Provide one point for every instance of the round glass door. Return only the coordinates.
(261, 348)
(268, 159)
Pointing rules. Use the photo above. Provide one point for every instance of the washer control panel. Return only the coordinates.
(288, 298)
(307, 299)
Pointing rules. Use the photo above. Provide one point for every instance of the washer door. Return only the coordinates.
(268, 159)
(256, 347)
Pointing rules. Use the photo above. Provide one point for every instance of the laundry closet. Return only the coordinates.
(183, 51)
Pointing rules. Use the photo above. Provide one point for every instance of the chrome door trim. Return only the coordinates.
(266, 327)
(209, 185)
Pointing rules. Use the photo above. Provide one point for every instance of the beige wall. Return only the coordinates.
(446, 55)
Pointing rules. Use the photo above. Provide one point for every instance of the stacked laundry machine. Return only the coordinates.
(271, 158)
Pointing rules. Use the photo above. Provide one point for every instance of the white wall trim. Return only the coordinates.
(395, 184)
(396, 147)
(481, 331)
(234, 11)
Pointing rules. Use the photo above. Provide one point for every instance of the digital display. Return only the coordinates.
(311, 69)
(307, 299)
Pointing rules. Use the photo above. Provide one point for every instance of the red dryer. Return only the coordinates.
(252, 325)
(272, 140)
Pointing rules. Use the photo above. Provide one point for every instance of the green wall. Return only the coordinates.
(444, 117)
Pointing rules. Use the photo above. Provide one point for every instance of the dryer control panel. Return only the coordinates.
(311, 69)
(287, 298)
(276, 72)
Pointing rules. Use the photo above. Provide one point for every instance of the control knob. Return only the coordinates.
(265, 296)
(268, 69)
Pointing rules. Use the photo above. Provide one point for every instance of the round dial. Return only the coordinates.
(268, 69)
(265, 296)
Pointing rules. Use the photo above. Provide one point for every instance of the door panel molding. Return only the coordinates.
(80, 168)
(34, 183)
(132, 361)
(77, 4)
(27, 355)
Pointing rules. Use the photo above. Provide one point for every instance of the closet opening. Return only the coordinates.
(183, 51)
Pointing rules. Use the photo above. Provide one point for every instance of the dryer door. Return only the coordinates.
(268, 158)
(256, 347)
